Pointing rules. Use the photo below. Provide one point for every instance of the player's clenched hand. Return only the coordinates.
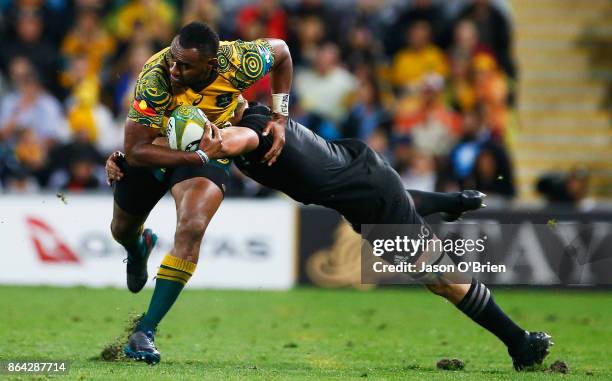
(113, 172)
(277, 127)
(211, 142)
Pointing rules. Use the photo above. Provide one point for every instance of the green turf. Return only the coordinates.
(305, 334)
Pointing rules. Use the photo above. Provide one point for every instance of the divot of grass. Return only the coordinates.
(113, 351)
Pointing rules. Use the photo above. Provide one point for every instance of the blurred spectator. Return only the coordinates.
(30, 43)
(87, 117)
(311, 22)
(416, 169)
(304, 8)
(308, 35)
(76, 166)
(418, 10)
(154, 19)
(364, 13)
(123, 87)
(463, 155)
(54, 22)
(264, 18)
(479, 161)
(418, 59)
(206, 11)
(20, 182)
(86, 39)
(30, 152)
(361, 48)
(476, 77)
(433, 127)
(569, 189)
(29, 106)
(492, 173)
(81, 176)
(318, 124)
(68, 6)
(461, 91)
(494, 30)
(367, 112)
(466, 43)
(491, 90)
(325, 88)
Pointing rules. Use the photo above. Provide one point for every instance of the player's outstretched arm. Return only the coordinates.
(237, 141)
(282, 77)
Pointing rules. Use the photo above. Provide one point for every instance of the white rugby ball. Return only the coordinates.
(185, 128)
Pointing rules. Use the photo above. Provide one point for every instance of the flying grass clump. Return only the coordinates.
(114, 350)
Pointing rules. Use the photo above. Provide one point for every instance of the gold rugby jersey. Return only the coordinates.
(241, 63)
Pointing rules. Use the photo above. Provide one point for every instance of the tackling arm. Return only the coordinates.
(282, 76)
(237, 141)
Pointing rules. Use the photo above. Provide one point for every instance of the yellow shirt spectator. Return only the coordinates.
(411, 66)
(155, 18)
(87, 39)
(96, 49)
(81, 115)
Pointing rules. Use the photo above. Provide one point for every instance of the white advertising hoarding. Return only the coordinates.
(48, 241)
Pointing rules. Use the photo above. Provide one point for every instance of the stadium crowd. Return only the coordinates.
(428, 84)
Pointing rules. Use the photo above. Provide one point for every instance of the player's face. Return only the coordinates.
(188, 67)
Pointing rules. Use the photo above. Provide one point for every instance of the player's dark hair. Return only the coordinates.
(201, 37)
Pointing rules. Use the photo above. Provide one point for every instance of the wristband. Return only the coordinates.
(280, 104)
(203, 156)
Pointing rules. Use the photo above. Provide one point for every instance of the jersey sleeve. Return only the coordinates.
(246, 62)
(152, 96)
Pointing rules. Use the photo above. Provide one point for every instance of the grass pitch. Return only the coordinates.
(304, 334)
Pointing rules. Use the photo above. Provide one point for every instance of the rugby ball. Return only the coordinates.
(185, 128)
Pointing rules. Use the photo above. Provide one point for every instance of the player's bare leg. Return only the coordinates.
(197, 200)
(128, 230)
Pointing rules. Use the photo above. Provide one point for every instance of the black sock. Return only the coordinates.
(427, 203)
(479, 305)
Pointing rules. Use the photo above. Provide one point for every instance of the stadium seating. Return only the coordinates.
(565, 75)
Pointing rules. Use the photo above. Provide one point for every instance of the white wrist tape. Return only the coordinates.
(203, 156)
(280, 104)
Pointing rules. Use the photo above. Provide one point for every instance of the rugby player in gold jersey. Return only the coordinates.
(199, 70)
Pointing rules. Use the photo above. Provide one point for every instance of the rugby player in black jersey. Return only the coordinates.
(349, 177)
